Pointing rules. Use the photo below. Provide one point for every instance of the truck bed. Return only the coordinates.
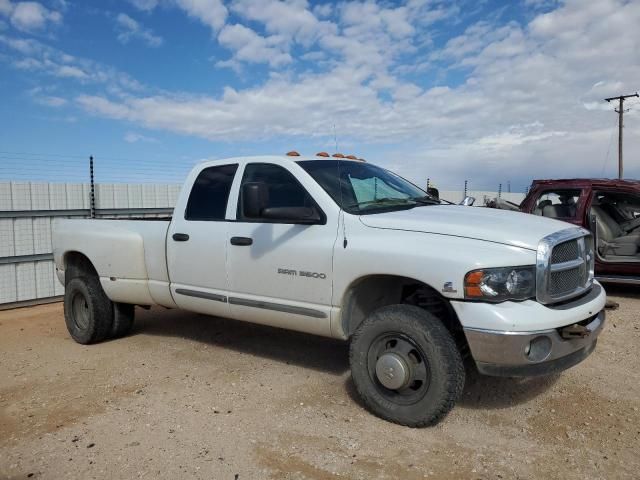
(128, 254)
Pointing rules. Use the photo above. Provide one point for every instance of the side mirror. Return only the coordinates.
(468, 201)
(434, 192)
(255, 197)
(303, 215)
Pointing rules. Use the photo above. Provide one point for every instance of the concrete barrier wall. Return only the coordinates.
(27, 210)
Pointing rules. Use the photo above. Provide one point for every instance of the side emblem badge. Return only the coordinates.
(448, 288)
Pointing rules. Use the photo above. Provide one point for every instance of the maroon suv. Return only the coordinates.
(610, 208)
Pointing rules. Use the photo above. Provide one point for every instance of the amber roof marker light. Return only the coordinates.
(337, 155)
(351, 157)
(293, 153)
(322, 154)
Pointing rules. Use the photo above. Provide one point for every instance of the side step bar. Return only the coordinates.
(619, 279)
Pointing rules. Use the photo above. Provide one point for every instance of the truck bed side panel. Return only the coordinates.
(129, 256)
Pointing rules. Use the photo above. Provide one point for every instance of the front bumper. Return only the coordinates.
(540, 351)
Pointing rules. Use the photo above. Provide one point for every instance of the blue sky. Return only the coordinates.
(482, 90)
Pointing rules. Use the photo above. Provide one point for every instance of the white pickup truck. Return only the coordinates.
(344, 249)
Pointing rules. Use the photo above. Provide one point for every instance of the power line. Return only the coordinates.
(606, 157)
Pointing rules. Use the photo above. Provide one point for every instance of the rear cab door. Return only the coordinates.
(197, 240)
(559, 202)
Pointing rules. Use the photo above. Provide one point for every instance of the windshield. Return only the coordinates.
(365, 187)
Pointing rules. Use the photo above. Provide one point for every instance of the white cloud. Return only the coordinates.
(250, 47)
(51, 101)
(291, 19)
(129, 28)
(323, 10)
(144, 5)
(134, 137)
(29, 16)
(212, 13)
(70, 71)
(34, 56)
(5, 7)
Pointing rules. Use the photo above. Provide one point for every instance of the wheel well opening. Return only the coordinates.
(373, 292)
(77, 264)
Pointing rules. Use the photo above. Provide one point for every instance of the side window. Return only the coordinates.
(283, 188)
(210, 193)
(557, 204)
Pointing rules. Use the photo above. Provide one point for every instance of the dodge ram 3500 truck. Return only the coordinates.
(345, 249)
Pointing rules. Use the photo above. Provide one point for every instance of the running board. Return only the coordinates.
(619, 279)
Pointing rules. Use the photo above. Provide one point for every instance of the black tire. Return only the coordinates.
(123, 315)
(88, 312)
(434, 376)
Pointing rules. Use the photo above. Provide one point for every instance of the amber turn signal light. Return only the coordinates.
(472, 283)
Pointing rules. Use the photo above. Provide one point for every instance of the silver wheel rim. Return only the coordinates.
(80, 311)
(392, 371)
(399, 368)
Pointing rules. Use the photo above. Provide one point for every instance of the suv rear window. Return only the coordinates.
(557, 203)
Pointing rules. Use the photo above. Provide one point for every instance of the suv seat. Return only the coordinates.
(611, 237)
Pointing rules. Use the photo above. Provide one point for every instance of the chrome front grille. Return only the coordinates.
(565, 281)
(564, 266)
(565, 251)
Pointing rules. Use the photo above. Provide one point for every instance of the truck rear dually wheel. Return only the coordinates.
(406, 366)
(88, 312)
(123, 315)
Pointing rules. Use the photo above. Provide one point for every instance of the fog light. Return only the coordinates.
(538, 349)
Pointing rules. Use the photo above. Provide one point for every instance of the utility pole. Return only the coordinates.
(93, 190)
(620, 112)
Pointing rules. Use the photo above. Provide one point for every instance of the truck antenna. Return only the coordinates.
(344, 228)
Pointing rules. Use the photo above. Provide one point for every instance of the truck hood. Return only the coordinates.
(492, 225)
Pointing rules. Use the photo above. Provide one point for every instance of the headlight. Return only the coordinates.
(500, 284)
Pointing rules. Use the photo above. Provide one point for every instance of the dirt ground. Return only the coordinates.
(189, 396)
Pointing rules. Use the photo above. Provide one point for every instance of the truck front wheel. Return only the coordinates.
(88, 312)
(405, 365)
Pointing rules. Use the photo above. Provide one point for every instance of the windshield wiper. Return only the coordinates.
(426, 200)
(381, 201)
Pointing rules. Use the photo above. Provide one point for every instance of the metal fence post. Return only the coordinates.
(465, 188)
(93, 190)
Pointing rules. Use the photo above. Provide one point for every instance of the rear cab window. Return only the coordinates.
(558, 203)
(210, 193)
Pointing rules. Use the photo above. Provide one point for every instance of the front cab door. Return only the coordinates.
(280, 273)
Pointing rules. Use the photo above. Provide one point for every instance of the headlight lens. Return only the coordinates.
(500, 284)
